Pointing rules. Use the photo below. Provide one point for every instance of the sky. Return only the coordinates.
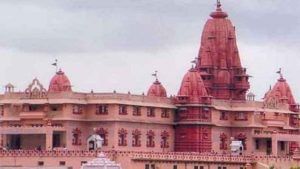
(116, 45)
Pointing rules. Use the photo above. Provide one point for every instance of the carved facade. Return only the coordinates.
(209, 111)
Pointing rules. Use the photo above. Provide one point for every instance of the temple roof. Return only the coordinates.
(281, 92)
(157, 90)
(192, 86)
(218, 43)
(60, 83)
(219, 59)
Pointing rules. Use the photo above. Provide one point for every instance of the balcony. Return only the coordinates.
(32, 115)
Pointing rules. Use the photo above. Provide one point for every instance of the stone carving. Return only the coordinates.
(36, 90)
(101, 162)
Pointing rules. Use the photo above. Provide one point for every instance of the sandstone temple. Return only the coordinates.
(48, 126)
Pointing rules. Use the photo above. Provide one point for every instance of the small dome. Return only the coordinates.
(60, 83)
(192, 86)
(282, 92)
(157, 90)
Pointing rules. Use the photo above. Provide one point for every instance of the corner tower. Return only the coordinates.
(219, 61)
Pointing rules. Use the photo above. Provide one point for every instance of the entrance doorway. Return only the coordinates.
(58, 139)
(269, 146)
(15, 142)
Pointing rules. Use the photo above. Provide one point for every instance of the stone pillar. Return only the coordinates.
(274, 146)
(49, 140)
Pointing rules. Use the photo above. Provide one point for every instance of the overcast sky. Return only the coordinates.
(117, 44)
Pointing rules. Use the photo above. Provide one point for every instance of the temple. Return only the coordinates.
(214, 121)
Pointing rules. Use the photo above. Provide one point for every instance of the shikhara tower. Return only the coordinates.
(219, 61)
(154, 130)
(218, 74)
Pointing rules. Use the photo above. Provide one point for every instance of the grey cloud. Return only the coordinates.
(119, 43)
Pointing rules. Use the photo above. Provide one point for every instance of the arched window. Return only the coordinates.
(102, 109)
(76, 137)
(150, 139)
(103, 134)
(243, 138)
(77, 109)
(164, 139)
(136, 138)
(150, 111)
(122, 137)
(223, 142)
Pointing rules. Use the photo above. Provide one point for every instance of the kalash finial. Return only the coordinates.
(219, 13)
(280, 74)
(194, 63)
(219, 4)
(155, 75)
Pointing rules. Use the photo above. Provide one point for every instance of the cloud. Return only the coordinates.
(107, 45)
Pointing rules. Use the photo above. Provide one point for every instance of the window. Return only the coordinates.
(196, 167)
(165, 113)
(102, 109)
(54, 108)
(151, 112)
(241, 116)
(174, 166)
(205, 113)
(123, 110)
(257, 144)
(76, 137)
(122, 137)
(150, 139)
(62, 163)
(77, 109)
(136, 111)
(243, 138)
(164, 139)
(152, 166)
(223, 116)
(40, 163)
(136, 138)
(219, 167)
(223, 141)
(147, 166)
(282, 145)
(83, 162)
(201, 167)
(1, 110)
(103, 134)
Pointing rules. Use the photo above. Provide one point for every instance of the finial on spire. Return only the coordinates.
(155, 75)
(194, 62)
(280, 73)
(55, 64)
(219, 13)
(219, 4)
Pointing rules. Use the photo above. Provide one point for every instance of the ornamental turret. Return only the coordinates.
(157, 89)
(60, 83)
(219, 61)
(192, 89)
(281, 93)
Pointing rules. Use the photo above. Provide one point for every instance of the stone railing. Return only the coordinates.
(52, 153)
(148, 156)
